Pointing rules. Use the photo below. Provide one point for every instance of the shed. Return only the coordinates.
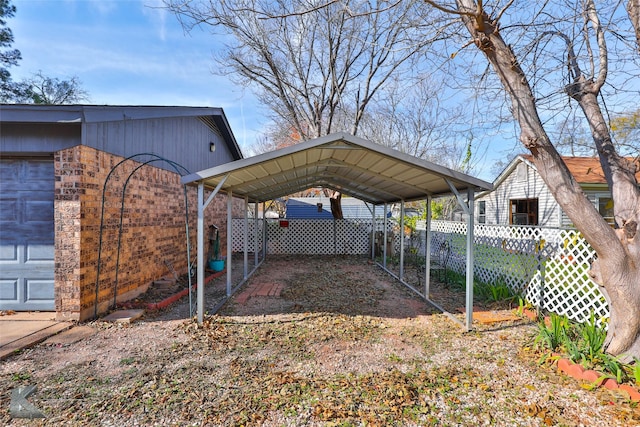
(341, 162)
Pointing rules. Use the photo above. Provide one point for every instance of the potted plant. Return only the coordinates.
(216, 263)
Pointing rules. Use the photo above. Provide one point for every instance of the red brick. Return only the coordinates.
(593, 377)
(575, 371)
(153, 227)
(610, 384)
(634, 395)
(563, 365)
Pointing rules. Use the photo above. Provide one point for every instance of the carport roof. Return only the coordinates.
(342, 162)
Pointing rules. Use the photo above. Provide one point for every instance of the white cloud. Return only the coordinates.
(157, 15)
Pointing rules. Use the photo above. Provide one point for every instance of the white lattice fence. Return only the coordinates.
(237, 234)
(566, 287)
(547, 265)
(307, 236)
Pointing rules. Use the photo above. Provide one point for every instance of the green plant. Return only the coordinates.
(21, 376)
(635, 370)
(552, 336)
(593, 337)
(523, 305)
(575, 352)
(494, 292)
(613, 366)
(127, 361)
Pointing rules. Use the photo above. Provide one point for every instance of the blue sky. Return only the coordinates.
(128, 52)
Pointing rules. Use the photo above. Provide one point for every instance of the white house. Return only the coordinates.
(520, 196)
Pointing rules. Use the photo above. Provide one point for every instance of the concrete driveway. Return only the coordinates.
(21, 330)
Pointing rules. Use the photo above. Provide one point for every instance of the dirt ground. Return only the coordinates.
(335, 341)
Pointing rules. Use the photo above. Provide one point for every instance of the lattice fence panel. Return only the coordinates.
(305, 236)
(548, 266)
(566, 288)
(353, 237)
(237, 234)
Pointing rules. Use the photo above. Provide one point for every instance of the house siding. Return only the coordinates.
(520, 185)
(183, 140)
(153, 232)
(37, 138)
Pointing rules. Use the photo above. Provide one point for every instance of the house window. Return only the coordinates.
(605, 207)
(482, 212)
(523, 212)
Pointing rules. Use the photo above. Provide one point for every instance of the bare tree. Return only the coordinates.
(416, 120)
(313, 66)
(318, 68)
(42, 89)
(617, 269)
(633, 9)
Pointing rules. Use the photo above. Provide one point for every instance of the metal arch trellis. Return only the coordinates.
(178, 169)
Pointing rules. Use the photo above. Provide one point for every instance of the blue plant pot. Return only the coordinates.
(216, 265)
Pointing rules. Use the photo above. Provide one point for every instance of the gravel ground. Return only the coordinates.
(342, 344)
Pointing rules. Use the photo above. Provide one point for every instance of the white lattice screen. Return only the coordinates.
(547, 265)
(237, 234)
(309, 236)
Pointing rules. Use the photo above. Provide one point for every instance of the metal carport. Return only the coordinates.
(345, 163)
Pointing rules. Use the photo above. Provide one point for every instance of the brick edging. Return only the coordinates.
(152, 306)
(577, 371)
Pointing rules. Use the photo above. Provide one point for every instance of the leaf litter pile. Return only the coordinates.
(341, 344)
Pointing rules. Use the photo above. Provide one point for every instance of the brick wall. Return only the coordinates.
(151, 236)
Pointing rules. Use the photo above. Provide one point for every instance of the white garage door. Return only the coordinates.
(26, 234)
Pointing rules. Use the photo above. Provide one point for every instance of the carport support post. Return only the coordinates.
(246, 237)
(401, 240)
(229, 209)
(470, 226)
(200, 254)
(373, 232)
(255, 233)
(264, 230)
(202, 204)
(427, 251)
(467, 207)
(384, 244)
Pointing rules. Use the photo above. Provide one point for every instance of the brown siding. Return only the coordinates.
(153, 228)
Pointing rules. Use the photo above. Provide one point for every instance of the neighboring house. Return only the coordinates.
(54, 162)
(320, 208)
(520, 196)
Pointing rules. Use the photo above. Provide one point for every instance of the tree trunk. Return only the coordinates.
(633, 9)
(617, 269)
(336, 205)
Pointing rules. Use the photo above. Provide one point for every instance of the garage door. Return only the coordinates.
(26, 234)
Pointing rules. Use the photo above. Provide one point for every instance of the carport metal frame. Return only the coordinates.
(345, 163)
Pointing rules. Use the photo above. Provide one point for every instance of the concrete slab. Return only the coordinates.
(21, 324)
(124, 316)
(18, 335)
